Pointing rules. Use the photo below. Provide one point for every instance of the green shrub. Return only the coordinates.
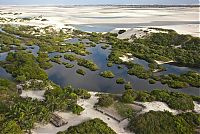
(105, 101)
(128, 86)
(107, 74)
(120, 81)
(76, 109)
(82, 93)
(81, 72)
(129, 96)
(159, 123)
(94, 126)
(152, 81)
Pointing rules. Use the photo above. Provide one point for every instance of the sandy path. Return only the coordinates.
(35, 94)
(88, 113)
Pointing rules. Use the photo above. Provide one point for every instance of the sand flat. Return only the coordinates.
(182, 19)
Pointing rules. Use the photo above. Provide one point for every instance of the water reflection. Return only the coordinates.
(62, 76)
(92, 81)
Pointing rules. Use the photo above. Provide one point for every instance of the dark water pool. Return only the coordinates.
(92, 81)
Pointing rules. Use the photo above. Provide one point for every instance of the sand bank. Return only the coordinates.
(182, 19)
(125, 58)
(163, 62)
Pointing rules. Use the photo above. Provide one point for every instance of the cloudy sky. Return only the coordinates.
(94, 2)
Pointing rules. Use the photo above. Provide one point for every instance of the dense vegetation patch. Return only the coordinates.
(174, 100)
(83, 93)
(94, 126)
(80, 71)
(105, 101)
(82, 62)
(44, 60)
(67, 65)
(120, 81)
(184, 80)
(20, 114)
(23, 66)
(124, 110)
(164, 123)
(107, 74)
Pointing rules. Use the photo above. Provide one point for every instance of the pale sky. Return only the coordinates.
(95, 2)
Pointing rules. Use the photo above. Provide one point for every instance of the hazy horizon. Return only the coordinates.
(96, 2)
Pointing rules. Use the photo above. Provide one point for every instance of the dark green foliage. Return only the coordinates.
(174, 100)
(94, 126)
(8, 39)
(23, 64)
(128, 96)
(109, 64)
(82, 62)
(160, 123)
(82, 93)
(10, 127)
(44, 20)
(56, 59)
(81, 72)
(114, 56)
(105, 101)
(6, 84)
(107, 74)
(124, 110)
(119, 67)
(139, 71)
(21, 110)
(88, 64)
(192, 78)
(70, 57)
(44, 60)
(121, 31)
(152, 81)
(23, 113)
(105, 46)
(191, 118)
(120, 81)
(76, 109)
(162, 44)
(144, 96)
(68, 65)
(128, 86)
(60, 99)
(184, 80)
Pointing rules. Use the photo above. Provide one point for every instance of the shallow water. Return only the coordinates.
(109, 27)
(92, 81)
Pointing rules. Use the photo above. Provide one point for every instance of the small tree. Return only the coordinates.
(105, 101)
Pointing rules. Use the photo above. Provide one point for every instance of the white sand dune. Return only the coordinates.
(157, 106)
(196, 107)
(163, 62)
(161, 106)
(125, 58)
(182, 19)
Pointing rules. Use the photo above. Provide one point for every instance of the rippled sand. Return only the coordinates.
(182, 19)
